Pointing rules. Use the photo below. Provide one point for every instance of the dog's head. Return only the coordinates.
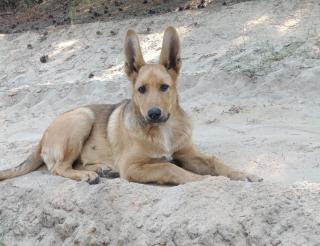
(154, 85)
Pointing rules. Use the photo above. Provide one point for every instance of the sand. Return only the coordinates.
(250, 81)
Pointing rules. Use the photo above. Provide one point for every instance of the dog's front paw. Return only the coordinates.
(253, 178)
(245, 177)
(108, 173)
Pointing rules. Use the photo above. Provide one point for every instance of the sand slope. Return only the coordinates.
(250, 80)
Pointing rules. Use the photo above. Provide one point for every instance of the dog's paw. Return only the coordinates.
(96, 180)
(91, 178)
(108, 173)
(245, 177)
(253, 178)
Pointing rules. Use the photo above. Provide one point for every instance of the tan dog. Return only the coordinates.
(136, 138)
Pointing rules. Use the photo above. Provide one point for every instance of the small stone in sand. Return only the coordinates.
(235, 109)
(96, 14)
(44, 58)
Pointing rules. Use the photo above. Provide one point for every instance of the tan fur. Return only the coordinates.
(120, 138)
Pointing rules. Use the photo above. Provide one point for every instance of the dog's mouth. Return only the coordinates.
(162, 119)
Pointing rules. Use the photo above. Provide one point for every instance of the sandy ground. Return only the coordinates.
(250, 81)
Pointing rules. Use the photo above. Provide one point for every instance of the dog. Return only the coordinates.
(145, 139)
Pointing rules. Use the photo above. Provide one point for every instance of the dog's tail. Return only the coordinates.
(33, 162)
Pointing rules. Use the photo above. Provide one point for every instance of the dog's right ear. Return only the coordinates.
(134, 59)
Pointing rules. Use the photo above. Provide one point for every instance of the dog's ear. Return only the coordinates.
(134, 59)
(170, 52)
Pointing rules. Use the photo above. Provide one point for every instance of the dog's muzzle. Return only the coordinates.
(160, 120)
(156, 116)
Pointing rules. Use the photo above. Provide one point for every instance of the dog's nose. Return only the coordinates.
(154, 114)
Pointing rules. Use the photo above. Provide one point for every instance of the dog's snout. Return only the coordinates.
(154, 114)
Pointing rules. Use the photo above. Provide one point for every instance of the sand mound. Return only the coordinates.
(49, 211)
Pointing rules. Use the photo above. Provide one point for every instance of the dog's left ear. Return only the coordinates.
(170, 52)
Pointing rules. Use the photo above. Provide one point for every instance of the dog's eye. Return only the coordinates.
(142, 89)
(164, 87)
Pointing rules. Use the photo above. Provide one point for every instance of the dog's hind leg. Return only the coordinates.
(63, 141)
(190, 159)
(64, 169)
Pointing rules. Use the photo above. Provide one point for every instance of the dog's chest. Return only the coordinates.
(164, 147)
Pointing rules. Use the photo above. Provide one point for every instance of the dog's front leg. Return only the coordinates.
(194, 161)
(159, 173)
